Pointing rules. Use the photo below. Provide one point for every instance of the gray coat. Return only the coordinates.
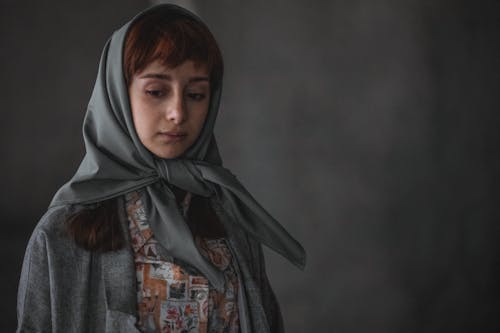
(64, 288)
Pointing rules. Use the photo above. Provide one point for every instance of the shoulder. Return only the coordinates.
(50, 252)
(52, 224)
(51, 268)
(50, 237)
(53, 219)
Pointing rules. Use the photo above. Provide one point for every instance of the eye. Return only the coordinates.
(155, 93)
(196, 96)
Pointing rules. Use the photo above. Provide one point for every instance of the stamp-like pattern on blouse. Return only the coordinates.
(170, 299)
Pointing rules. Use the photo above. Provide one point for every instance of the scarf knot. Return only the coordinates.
(185, 175)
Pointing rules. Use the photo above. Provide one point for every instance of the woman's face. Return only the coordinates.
(169, 106)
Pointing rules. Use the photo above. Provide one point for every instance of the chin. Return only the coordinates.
(168, 154)
(167, 151)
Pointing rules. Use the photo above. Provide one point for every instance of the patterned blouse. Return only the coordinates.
(170, 298)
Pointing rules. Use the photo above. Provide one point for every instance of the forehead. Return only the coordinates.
(186, 68)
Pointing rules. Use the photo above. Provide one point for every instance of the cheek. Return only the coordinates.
(134, 110)
(141, 116)
(136, 117)
(201, 116)
(141, 123)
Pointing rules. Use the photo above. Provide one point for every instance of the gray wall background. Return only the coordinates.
(368, 128)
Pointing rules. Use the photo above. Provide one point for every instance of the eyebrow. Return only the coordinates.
(167, 77)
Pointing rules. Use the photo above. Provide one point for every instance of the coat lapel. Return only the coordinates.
(119, 278)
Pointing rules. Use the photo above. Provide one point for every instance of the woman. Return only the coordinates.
(152, 233)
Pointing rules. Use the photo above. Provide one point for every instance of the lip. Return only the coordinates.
(172, 135)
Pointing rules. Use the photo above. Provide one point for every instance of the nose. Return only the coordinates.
(176, 109)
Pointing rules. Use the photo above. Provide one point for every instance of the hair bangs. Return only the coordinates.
(171, 42)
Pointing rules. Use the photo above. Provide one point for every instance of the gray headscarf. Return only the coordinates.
(116, 162)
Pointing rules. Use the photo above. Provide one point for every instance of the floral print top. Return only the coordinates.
(172, 299)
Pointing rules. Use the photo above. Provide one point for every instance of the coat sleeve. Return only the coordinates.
(33, 298)
(269, 300)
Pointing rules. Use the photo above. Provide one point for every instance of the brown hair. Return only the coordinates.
(172, 40)
(97, 228)
(154, 36)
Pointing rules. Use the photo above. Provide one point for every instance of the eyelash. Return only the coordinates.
(159, 94)
(153, 93)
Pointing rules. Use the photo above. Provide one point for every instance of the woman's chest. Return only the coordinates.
(174, 297)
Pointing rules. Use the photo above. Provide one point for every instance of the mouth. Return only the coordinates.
(173, 135)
